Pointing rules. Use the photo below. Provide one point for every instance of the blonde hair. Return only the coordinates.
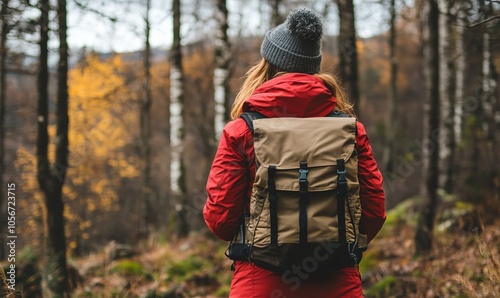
(264, 71)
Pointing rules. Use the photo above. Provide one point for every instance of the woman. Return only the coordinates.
(287, 82)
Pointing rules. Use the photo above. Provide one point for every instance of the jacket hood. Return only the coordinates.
(291, 95)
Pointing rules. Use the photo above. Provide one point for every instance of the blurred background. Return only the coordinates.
(111, 111)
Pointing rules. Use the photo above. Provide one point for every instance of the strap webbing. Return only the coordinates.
(338, 114)
(303, 202)
(341, 198)
(249, 117)
(271, 185)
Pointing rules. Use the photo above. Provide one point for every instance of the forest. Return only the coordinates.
(111, 112)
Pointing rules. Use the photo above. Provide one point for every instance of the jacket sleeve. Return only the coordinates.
(228, 181)
(371, 192)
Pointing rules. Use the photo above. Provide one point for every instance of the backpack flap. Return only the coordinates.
(285, 142)
(319, 141)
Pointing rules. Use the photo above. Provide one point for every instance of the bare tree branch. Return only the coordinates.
(484, 21)
(20, 71)
(93, 10)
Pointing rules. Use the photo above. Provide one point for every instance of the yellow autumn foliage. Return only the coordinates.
(102, 117)
(34, 206)
(101, 110)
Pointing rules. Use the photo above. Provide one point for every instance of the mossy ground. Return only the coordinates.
(464, 262)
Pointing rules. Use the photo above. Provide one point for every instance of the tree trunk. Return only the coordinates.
(446, 89)
(51, 181)
(43, 99)
(459, 73)
(56, 232)
(177, 184)
(348, 66)
(392, 108)
(430, 168)
(221, 74)
(3, 98)
(150, 216)
(276, 17)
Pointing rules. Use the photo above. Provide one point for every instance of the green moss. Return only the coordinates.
(162, 239)
(404, 212)
(181, 270)
(86, 295)
(222, 291)
(117, 294)
(382, 288)
(28, 272)
(464, 206)
(478, 278)
(450, 217)
(129, 267)
(417, 273)
(370, 260)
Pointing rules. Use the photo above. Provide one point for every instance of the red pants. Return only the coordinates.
(252, 281)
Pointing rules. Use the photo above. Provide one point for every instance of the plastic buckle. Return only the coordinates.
(342, 177)
(303, 175)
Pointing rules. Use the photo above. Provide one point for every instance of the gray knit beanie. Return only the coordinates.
(295, 45)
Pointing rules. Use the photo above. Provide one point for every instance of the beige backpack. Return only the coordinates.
(306, 173)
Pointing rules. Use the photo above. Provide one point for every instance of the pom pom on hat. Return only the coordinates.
(305, 24)
(295, 46)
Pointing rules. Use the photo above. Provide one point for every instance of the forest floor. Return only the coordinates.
(464, 261)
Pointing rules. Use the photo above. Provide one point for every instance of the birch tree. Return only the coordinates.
(177, 184)
(430, 154)
(221, 73)
(459, 71)
(348, 65)
(51, 176)
(447, 95)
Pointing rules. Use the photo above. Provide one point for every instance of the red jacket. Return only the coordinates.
(233, 168)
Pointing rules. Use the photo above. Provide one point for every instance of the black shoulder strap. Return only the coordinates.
(249, 117)
(340, 114)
